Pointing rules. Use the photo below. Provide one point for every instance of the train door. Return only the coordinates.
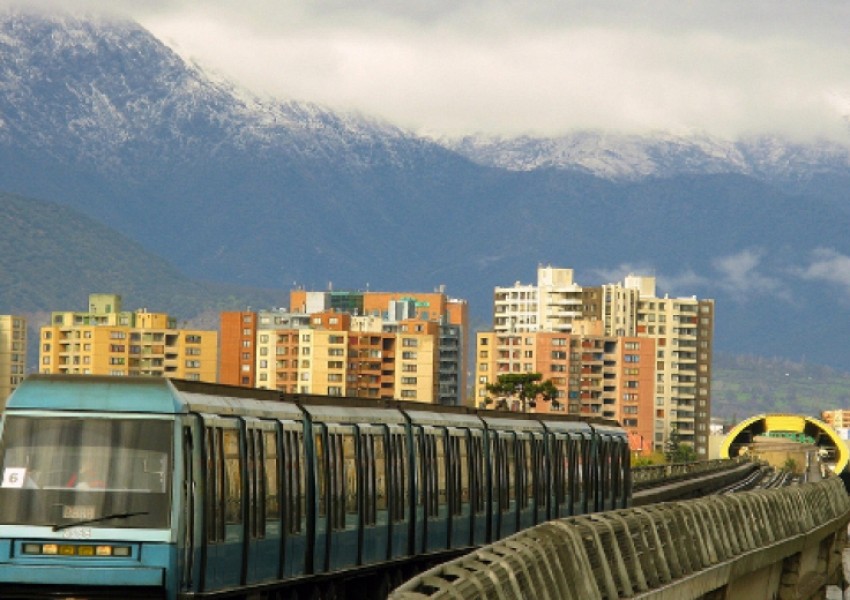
(338, 498)
(374, 479)
(506, 484)
(525, 480)
(478, 484)
(400, 516)
(263, 530)
(559, 460)
(460, 509)
(434, 475)
(580, 480)
(603, 473)
(292, 487)
(223, 505)
(191, 531)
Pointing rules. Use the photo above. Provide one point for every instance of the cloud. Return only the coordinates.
(827, 265)
(543, 67)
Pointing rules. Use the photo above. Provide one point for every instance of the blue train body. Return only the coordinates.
(143, 487)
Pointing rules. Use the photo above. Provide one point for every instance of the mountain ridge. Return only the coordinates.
(234, 190)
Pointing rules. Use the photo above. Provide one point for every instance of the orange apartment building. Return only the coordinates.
(366, 344)
(595, 375)
(108, 341)
(679, 329)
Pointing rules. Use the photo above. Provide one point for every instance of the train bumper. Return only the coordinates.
(82, 576)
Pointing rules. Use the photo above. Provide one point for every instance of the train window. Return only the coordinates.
(429, 475)
(367, 462)
(440, 462)
(321, 463)
(256, 525)
(349, 461)
(294, 479)
(454, 475)
(214, 499)
(233, 478)
(463, 464)
(337, 481)
(541, 472)
(510, 464)
(380, 472)
(399, 485)
(104, 464)
(272, 482)
(527, 474)
(477, 474)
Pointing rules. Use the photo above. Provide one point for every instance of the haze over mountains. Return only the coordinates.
(100, 117)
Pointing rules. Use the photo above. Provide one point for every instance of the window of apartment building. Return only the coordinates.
(628, 397)
(264, 364)
(196, 339)
(334, 364)
(557, 368)
(631, 358)
(483, 354)
(408, 368)
(408, 355)
(336, 339)
(117, 335)
(409, 342)
(336, 351)
(632, 345)
(528, 354)
(482, 367)
(334, 377)
(408, 380)
(305, 337)
(334, 390)
(630, 410)
(117, 347)
(305, 364)
(559, 341)
(305, 351)
(193, 364)
(482, 380)
(305, 377)
(527, 367)
(409, 394)
(559, 355)
(659, 401)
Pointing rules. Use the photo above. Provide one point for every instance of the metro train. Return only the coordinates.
(159, 488)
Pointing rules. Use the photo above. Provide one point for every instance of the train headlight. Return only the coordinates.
(86, 551)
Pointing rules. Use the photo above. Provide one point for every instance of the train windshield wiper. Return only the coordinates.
(126, 515)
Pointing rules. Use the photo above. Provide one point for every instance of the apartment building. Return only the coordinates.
(631, 353)
(106, 340)
(366, 344)
(13, 354)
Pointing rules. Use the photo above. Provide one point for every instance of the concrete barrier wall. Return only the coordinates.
(782, 543)
(652, 475)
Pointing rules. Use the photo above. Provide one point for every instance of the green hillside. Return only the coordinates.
(744, 386)
(52, 257)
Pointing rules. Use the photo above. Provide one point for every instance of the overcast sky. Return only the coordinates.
(453, 67)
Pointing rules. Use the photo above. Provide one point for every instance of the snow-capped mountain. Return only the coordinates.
(101, 117)
(632, 157)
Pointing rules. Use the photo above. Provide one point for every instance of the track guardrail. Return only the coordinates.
(671, 550)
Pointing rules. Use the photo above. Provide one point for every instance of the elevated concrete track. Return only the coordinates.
(779, 543)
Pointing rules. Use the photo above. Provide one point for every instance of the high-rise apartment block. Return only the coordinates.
(106, 340)
(407, 346)
(13, 354)
(615, 351)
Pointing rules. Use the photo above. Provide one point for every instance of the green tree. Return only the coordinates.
(677, 451)
(525, 387)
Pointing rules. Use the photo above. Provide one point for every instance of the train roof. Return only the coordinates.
(157, 395)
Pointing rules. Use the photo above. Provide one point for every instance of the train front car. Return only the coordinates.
(86, 493)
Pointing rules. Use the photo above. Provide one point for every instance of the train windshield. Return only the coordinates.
(104, 472)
